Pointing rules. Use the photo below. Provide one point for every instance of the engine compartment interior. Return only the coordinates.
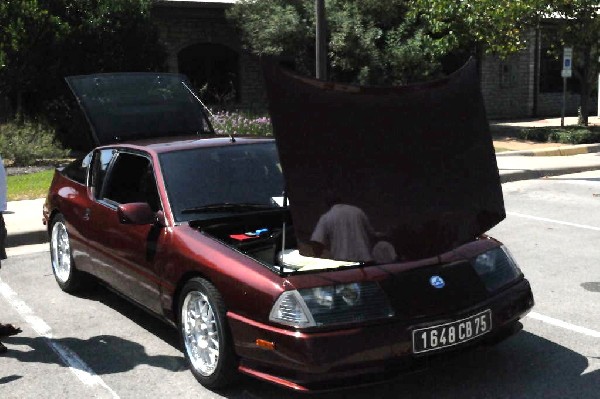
(267, 237)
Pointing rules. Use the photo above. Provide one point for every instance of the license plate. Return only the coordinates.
(453, 333)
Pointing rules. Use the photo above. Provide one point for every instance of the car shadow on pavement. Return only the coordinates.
(105, 354)
(525, 365)
(147, 321)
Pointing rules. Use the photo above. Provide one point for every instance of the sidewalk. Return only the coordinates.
(24, 225)
(519, 167)
(27, 232)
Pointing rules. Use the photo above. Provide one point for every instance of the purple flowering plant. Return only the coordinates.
(241, 124)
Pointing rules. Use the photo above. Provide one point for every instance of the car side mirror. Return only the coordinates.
(139, 213)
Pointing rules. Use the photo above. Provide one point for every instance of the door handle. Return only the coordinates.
(86, 214)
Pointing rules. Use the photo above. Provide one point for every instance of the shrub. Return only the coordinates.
(240, 124)
(534, 134)
(566, 135)
(28, 143)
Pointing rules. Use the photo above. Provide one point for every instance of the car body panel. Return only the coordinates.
(309, 360)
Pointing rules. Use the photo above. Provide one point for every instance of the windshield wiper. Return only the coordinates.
(226, 206)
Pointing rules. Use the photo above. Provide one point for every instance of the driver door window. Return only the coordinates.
(100, 164)
(132, 180)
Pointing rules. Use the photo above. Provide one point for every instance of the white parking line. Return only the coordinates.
(74, 363)
(581, 226)
(564, 324)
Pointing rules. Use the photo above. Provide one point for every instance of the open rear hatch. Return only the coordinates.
(141, 105)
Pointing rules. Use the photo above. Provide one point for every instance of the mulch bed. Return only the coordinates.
(23, 170)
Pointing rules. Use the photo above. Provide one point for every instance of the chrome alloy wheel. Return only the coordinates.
(200, 333)
(60, 252)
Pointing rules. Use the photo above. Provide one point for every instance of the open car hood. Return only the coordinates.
(418, 160)
(133, 106)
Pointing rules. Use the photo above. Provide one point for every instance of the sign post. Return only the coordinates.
(566, 73)
(321, 43)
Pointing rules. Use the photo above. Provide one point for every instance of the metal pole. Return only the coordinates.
(321, 44)
(564, 101)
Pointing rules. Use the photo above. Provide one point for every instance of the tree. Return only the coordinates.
(27, 34)
(501, 27)
(42, 41)
(579, 28)
(369, 41)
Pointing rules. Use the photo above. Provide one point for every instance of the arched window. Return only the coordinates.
(213, 70)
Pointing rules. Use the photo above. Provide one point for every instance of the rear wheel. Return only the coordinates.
(205, 336)
(69, 279)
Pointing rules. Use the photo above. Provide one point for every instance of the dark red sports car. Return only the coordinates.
(377, 262)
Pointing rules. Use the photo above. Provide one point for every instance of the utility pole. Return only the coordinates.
(321, 40)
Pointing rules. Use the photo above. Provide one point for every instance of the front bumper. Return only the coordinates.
(365, 354)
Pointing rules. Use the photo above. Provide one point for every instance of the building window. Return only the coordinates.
(508, 75)
(213, 71)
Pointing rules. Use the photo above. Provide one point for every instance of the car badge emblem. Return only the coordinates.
(437, 282)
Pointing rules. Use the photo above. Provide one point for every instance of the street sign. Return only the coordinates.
(567, 58)
(566, 73)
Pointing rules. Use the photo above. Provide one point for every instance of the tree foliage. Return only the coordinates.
(578, 25)
(369, 41)
(28, 32)
(498, 25)
(41, 41)
(502, 26)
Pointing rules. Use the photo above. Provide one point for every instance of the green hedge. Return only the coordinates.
(29, 143)
(566, 135)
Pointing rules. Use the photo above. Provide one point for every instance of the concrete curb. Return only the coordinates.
(530, 174)
(556, 151)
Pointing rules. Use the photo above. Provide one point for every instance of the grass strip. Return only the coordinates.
(29, 186)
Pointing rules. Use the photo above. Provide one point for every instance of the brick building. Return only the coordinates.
(202, 44)
(529, 83)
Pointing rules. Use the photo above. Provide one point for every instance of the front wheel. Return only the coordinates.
(205, 336)
(69, 279)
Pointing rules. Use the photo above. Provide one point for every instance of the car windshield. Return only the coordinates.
(208, 182)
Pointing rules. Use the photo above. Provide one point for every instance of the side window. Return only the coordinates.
(100, 164)
(132, 180)
(77, 170)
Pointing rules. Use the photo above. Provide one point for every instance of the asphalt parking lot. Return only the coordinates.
(99, 345)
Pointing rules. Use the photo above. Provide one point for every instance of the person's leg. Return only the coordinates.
(3, 235)
(5, 329)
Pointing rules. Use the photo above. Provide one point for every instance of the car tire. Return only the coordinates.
(205, 336)
(67, 276)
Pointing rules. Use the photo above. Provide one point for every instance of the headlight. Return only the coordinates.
(496, 268)
(333, 304)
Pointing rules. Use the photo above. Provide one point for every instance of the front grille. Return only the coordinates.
(412, 295)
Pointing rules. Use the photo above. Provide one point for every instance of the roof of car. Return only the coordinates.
(188, 142)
